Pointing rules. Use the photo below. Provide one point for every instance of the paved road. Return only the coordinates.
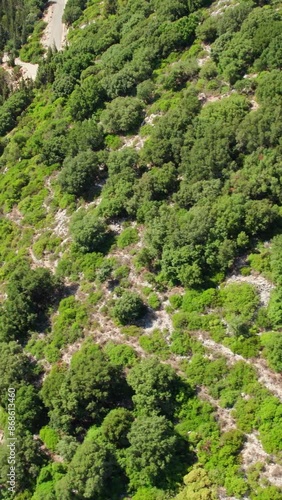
(54, 34)
(55, 29)
(28, 70)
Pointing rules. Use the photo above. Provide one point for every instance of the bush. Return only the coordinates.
(272, 343)
(145, 91)
(123, 114)
(88, 231)
(129, 308)
(127, 237)
(121, 354)
(180, 343)
(154, 301)
(155, 344)
(49, 437)
(78, 173)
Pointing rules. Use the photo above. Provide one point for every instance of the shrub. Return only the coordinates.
(123, 114)
(127, 237)
(49, 437)
(129, 308)
(88, 231)
(78, 173)
(155, 344)
(154, 301)
(121, 354)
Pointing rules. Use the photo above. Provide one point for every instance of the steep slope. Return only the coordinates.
(141, 254)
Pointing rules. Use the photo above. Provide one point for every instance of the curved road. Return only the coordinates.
(54, 34)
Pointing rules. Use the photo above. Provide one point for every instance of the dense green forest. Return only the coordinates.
(141, 253)
(17, 18)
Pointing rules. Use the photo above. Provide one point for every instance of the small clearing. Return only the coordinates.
(136, 141)
(253, 452)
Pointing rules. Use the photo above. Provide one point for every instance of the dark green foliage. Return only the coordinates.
(116, 426)
(17, 22)
(63, 86)
(152, 448)
(88, 231)
(199, 188)
(30, 292)
(129, 308)
(12, 109)
(79, 173)
(79, 396)
(85, 98)
(123, 114)
(16, 369)
(90, 473)
(155, 386)
(73, 11)
(30, 459)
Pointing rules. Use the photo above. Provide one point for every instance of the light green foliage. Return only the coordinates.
(49, 437)
(69, 323)
(33, 50)
(198, 486)
(121, 354)
(181, 343)
(154, 301)
(196, 188)
(127, 237)
(240, 302)
(150, 494)
(194, 301)
(155, 343)
(46, 243)
(273, 349)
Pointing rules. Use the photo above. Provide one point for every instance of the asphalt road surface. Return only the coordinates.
(55, 29)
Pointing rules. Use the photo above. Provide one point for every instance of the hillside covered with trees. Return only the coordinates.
(141, 252)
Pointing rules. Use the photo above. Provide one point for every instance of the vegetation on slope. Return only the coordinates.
(141, 168)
